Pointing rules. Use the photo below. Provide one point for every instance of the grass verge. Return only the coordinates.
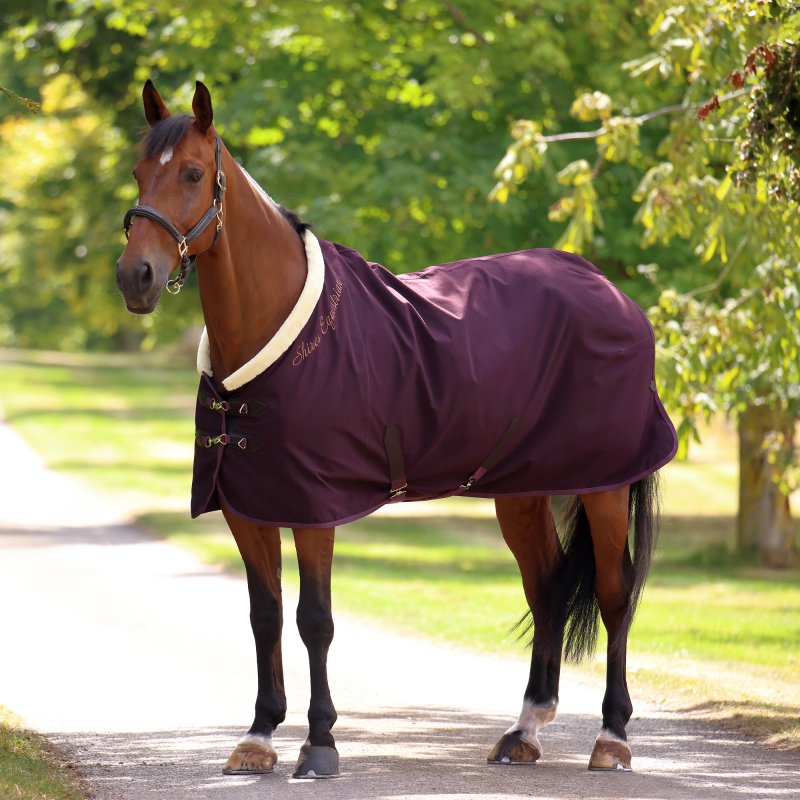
(29, 767)
(714, 635)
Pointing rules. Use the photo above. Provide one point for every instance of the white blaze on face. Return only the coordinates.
(166, 156)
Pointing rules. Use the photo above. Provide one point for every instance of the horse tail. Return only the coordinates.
(644, 513)
(578, 602)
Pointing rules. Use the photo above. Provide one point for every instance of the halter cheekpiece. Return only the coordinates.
(184, 240)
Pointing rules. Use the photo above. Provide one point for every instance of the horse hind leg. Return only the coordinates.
(529, 530)
(618, 583)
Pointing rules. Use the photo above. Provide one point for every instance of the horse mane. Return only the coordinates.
(171, 131)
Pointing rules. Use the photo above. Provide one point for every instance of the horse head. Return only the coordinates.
(180, 182)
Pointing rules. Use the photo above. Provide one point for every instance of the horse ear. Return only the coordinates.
(154, 108)
(201, 105)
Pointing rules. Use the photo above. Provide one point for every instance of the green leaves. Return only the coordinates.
(579, 208)
(721, 176)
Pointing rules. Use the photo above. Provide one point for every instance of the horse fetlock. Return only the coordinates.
(253, 755)
(610, 753)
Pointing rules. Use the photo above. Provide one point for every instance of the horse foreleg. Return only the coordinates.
(608, 520)
(260, 548)
(530, 532)
(318, 756)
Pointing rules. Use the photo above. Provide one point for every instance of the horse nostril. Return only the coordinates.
(145, 274)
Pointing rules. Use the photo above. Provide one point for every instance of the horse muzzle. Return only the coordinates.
(141, 285)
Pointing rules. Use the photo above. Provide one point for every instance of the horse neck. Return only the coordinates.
(252, 278)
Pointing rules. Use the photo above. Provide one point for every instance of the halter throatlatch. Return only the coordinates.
(184, 240)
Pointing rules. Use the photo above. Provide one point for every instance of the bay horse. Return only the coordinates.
(304, 433)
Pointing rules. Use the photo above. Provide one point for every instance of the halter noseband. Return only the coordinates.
(184, 240)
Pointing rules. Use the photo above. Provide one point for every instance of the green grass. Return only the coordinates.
(29, 769)
(714, 633)
(115, 421)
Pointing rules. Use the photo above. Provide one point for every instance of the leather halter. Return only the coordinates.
(184, 240)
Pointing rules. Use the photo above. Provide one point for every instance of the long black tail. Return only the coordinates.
(577, 577)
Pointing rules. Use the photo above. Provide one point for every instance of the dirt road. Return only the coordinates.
(138, 661)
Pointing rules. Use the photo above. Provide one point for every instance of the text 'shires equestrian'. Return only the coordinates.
(326, 323)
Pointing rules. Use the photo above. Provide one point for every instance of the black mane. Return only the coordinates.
(170, 132)
(300, 225)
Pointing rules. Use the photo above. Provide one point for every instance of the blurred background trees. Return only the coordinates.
(383, 121)
(722, 176)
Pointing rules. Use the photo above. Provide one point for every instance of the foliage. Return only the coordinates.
(378, 120)
(722, 176)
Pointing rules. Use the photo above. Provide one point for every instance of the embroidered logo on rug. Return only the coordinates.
(326, 325)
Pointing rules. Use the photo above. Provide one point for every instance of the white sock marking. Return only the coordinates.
(257, 738)
(532, 719)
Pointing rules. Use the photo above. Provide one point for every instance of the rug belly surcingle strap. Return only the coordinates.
(397, 467)
(493, 458)
(397, 470)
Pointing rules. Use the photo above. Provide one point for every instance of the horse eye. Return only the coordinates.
(195, 176)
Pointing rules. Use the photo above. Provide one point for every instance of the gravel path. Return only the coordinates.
(138, 661)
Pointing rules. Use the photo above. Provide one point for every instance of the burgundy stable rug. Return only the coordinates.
(517, 374)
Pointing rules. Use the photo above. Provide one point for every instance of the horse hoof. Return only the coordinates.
(610, 754)
(316, 761)
(513, 749)
(252, 756)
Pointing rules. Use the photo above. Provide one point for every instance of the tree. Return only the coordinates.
(725, 178)
(378, 120)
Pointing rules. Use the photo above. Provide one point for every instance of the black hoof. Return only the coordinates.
(317, 762)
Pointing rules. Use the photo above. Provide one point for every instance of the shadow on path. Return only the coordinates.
(439, 753)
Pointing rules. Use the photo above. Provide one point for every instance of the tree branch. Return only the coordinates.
(715, 284)
(659, 112)
(31, 105)
(460, 18)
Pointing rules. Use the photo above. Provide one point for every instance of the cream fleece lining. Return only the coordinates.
(286, 334)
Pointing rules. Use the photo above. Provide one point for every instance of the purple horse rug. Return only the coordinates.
(526, 373)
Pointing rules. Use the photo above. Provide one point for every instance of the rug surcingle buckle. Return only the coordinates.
(465, 487)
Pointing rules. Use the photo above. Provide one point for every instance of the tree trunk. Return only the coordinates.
(764, 524)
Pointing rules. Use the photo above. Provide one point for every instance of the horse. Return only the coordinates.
(275, 450)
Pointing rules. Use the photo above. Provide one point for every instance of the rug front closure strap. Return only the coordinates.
(242, 442)
(236, 408)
